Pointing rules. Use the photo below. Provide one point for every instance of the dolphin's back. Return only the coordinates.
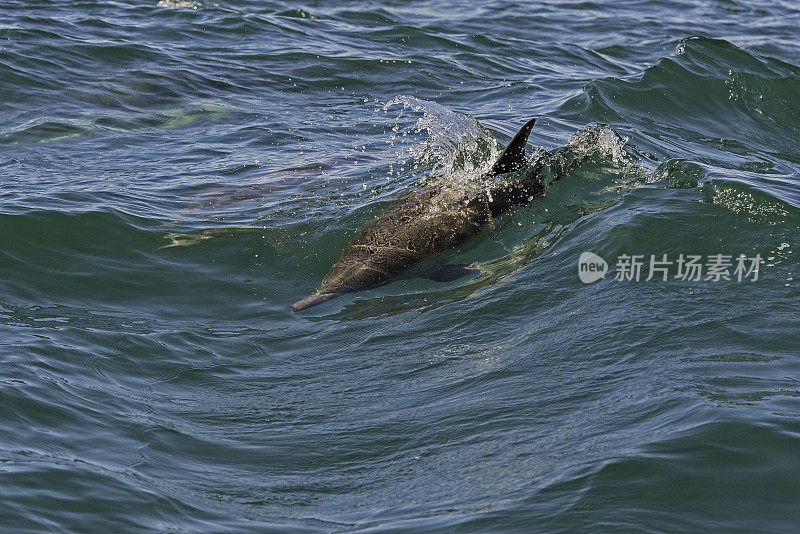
(397, 238)
(413, 229)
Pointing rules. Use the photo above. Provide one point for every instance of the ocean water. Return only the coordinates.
(175, 174)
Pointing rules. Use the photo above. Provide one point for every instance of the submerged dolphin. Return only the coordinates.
(414, 228)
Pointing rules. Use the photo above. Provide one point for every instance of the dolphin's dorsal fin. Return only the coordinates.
(513, 157)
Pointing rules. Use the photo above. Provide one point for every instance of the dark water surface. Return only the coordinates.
(176, 174)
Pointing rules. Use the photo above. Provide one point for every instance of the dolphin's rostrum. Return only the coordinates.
(412, 229)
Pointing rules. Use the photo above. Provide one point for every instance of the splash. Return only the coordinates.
(457, 151)
(747, 204)
(178, 4)
(600, 140)
(453, 142)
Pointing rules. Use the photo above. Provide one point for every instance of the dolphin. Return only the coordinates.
(416, 228)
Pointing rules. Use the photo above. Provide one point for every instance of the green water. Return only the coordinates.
(176, 174)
